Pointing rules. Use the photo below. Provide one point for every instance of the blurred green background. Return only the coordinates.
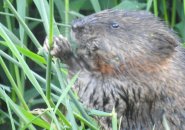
(26, 27)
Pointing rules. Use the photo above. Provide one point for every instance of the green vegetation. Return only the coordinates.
(33, 91)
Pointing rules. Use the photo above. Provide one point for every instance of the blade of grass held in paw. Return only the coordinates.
(48, 71)
(114, 120)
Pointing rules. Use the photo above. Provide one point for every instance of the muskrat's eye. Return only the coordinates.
(115, 25)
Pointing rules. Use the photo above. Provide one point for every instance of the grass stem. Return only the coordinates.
(48, 70)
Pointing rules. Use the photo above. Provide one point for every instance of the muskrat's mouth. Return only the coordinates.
(73, 36)
(75, 39)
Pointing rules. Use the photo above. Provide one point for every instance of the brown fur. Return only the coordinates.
(130, 61)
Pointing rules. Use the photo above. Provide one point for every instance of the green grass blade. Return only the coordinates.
(43, 8)
(89, 124)
(51, 12)
(173, 18)
(184, 6)
(21, 10)
(114, 120)
(16, 109)
(10, 113)
(61, 116)
(96, 5)
(35, 57)
(35, 41)
(120, 122)
(8, 20)
(130, 5)
(76, 14)
(94, 112)
(48, 70)
(165, 122)
(22, 62)
(60, 6)
(155, 8)
(5, 115)
(15, 87)
(66, 17)
(66, 90)
(73, 98)
(33, 19)
(35, 120)
(38, 77)
(71, 116)
(6, 88)
(149, 5)
(26, 70)
(165, 11)
(11, 35)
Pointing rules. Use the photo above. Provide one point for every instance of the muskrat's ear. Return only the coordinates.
(164, 43)
(170, 38)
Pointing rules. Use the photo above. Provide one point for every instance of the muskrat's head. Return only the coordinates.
(124, 38)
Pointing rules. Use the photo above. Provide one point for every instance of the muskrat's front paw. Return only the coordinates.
(59, 47)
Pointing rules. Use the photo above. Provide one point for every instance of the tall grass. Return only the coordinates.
(34, 92)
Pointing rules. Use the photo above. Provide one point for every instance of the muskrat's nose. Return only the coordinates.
(77, 24)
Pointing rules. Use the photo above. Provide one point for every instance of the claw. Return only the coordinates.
(60, 45)
(46, 44)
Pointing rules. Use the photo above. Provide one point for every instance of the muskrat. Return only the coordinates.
(130, 61)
